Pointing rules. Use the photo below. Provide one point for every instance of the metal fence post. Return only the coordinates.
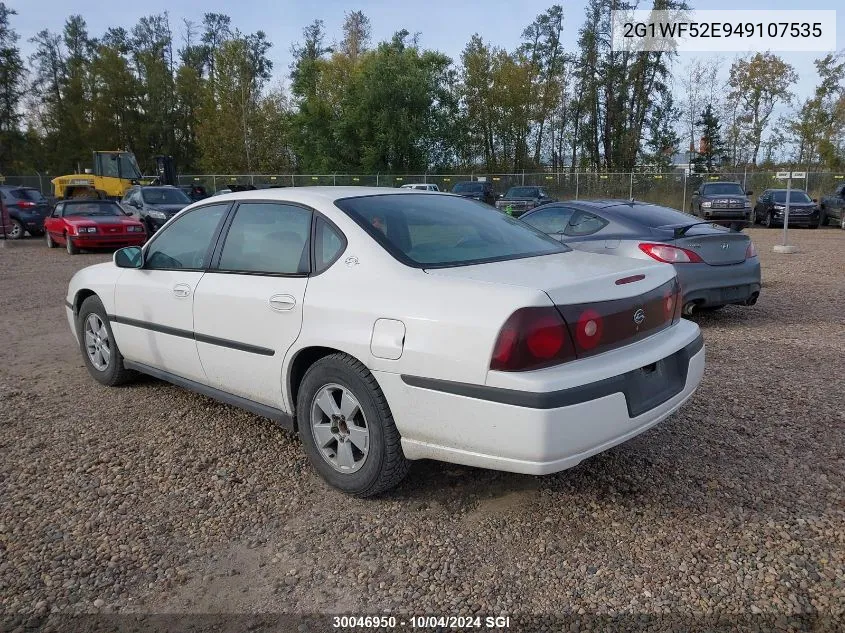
(377, 175)
(214, 183)
(684, 197)
(631, 187)
(576, 184)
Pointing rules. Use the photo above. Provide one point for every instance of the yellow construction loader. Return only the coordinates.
(112, 176)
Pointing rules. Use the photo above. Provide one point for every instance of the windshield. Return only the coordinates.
(794, 196)
(164, 196)
(87, 209)
(119, 165)
(468, 187)
(523, 192)
(27, 194)
(722, 189)
(436, 232)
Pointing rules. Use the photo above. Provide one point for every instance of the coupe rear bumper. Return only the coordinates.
(710, 286)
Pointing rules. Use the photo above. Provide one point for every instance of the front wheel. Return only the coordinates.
(769, 221)
(49, 240)
(72, 248)
(347, 428)
(99, 349)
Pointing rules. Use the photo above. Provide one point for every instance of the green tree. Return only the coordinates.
(712, 147)
(12, 89)
(758, 84)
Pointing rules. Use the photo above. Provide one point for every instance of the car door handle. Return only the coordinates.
(182, 290)
(281, 303)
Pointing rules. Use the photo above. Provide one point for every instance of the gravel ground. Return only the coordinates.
(152, 499)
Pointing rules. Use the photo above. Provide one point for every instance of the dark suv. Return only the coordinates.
(722, 201)
(27, 209)
(154, 205)
(477, 190)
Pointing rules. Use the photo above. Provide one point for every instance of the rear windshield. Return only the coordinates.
(794, 196)
(27, 194)
(164, 196)
(91, 209)
(467, 187)
(722, 189)
(523, 192)
(437, 232)
(651, 215)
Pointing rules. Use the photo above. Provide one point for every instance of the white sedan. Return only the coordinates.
(386, 326)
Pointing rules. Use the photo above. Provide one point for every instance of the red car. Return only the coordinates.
(83, 224)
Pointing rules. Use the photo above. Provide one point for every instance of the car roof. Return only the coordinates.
(784, 190)
(721, 182)
(315, 195)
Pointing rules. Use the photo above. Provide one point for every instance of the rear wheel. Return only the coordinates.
(99, 349)
(347, 428)
(72, 249)
(49, 240)
(842, 222)
(17, 230)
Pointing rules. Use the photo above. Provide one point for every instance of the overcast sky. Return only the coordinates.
(445, 25)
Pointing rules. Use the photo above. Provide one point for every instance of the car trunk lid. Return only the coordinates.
(716, 246)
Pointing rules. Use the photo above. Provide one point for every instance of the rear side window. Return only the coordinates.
(584, 223)
(328, 245)
(549, 220)
(186, 243)
(651, 216)
(442, 231)
(267, 237)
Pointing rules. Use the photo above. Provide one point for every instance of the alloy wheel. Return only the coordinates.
(340, 428)
(97, 343)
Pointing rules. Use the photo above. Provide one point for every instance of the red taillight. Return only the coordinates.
(23, 204)
(670, 254)
(532, 338)
(751, 251)
(672, 303)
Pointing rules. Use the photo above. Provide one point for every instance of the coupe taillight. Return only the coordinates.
(532, 338)
(670, 254)
(24, 204)
(750, 251)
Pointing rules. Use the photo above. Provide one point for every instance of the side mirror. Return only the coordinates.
(749, 193)
(129, 257)
(815, 199)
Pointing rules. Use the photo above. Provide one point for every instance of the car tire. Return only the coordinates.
(842, 222)
(49, 240)
(72, 248)
(17, 231)
(342, 378)
(769, 221)
(92, 319)
(823, 219)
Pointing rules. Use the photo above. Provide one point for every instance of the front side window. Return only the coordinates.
(550, 220)
(186, 242)
(437, 232)
(268, 237)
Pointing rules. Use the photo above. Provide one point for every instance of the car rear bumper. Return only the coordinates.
(109, 242)
(709, 285)
(536, 432)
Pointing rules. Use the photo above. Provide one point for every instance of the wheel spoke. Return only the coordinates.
(103, 333)
(360, 437)
(344, 455)
(93, 323)
(89, 339)
(105, 354)
(348, 406)
(323, 435)
(327, 404)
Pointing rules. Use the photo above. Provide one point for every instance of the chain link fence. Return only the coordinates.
(673, 189)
